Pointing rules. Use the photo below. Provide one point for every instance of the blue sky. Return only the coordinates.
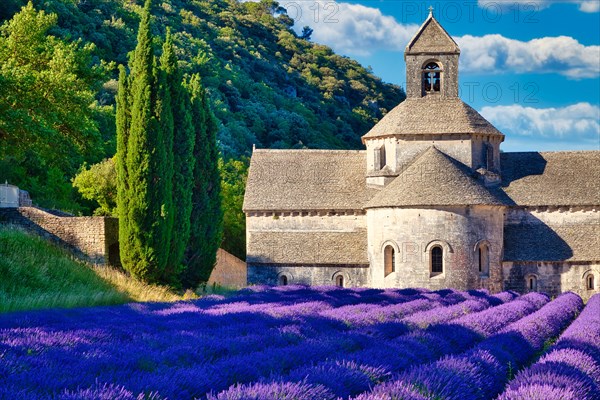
(531, 67)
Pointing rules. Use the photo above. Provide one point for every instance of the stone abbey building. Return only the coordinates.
(431, 202)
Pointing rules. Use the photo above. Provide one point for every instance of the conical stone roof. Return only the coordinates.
(433, 116)
(433, 179)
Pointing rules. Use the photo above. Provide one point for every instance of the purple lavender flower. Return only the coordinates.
(274, 391)
(481, 372)
(571, 368)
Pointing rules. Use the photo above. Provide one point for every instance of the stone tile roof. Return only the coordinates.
(433, 179)
(434, 116)
(556, 242)
(297, 247)
(569, 178)
(431, 38)
(306, 180)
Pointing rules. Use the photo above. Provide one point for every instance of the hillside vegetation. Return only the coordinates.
(36, 274)
(267, 86)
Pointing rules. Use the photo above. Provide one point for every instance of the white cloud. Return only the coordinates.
(587, 6)
(354, 29)
(562, 54)
(351, 29)
(578, 123)
(590, 6)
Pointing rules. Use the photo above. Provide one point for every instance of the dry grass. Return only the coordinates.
(139, 291)
(36, 274)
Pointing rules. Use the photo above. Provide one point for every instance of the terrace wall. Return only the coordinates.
(96, 240)
(93, 239)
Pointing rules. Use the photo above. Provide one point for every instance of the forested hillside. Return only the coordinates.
(266, 85)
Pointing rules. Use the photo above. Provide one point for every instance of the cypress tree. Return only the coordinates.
(123, 119)
(144, 218)
(165, 170)
(207, 217)
(183, 162)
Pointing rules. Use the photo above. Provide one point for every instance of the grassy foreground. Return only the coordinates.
(37, 274)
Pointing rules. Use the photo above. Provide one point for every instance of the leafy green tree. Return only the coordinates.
(146, 216)
(207, 217)
(233, 186)
(46, 123)
(183, 162)
(99, 183)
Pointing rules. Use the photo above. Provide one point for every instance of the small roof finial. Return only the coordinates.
(431, 11)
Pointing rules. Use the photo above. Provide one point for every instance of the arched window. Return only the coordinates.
(283, 280)
(532, 283)
(483, 256)
(339, 280)
(432, 77)
(437, 260)
(590, 282)
(389, 255)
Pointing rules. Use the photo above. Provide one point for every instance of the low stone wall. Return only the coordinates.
(96, 240)
(93, 239)
(229, 271)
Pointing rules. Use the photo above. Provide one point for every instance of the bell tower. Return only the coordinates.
(432, 62)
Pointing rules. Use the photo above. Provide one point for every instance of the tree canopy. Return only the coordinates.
(48, 115)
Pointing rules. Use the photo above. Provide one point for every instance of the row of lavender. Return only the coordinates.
(187, 349)
(355, 372)
(261, 343)
(569, 370)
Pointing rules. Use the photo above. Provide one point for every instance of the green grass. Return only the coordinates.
(36, 274)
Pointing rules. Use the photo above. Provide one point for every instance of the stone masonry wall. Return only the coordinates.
(400, 153)
(94, 239)
(413, 232)
(308, 249)
(553, 278)
(449, 65)
(316, 275)
(229, 271)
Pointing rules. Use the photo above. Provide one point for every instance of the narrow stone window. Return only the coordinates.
(389, 255)
(532, 283)
(437, 260)
(339, 281)
(283, 280)
(379, 157)
(489, 156)
(590, 282)
(432, 78)
(483, 255)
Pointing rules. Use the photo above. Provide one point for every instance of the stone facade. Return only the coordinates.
(457, 230)
(430, 203)
(552, 277)
(310, 248)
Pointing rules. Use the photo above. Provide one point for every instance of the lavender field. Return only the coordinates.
(294, 342)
